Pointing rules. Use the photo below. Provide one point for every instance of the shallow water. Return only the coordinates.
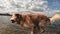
(6, 27)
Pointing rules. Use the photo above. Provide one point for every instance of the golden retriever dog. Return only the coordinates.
(35, 22)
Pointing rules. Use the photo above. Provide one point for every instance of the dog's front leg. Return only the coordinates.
(35, 30)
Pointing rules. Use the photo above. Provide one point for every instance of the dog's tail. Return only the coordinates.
(55, 18)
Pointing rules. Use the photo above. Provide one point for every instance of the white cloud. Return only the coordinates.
(26, 6)
(30, 5)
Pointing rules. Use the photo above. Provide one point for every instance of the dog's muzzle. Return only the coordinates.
(12, 20)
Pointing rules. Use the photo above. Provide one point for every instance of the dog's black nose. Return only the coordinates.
(12, 21)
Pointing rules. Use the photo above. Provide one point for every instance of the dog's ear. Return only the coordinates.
(19, 18)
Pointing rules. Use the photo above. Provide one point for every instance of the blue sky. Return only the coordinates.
(54, 4)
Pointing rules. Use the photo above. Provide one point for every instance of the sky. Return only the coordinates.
(47, 7)
(54, 4)
(51, 4)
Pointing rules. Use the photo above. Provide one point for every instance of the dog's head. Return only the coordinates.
(16, 18)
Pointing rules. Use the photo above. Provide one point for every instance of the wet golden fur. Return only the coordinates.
(31, 21)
